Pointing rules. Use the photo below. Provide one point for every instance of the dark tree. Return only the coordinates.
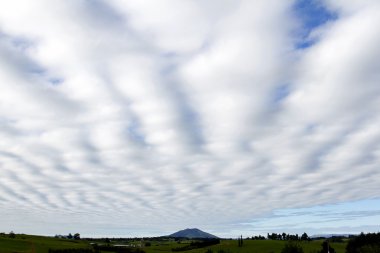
(305, 237)
(364, 243)
(240, 241)
(77, 236)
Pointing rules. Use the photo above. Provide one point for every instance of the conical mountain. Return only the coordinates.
(192, 233)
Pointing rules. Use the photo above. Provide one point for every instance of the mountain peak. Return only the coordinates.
(192, 233)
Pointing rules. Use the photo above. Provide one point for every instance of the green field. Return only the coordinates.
(250, 246)
(40, 244)
(37, 244)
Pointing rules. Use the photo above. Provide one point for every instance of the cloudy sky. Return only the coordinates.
(143, 117)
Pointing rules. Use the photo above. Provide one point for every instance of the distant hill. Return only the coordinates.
(192, 233)
(331, 235)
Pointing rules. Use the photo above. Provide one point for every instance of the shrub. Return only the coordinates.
(369, 249)
(292, 247)
(12, 234)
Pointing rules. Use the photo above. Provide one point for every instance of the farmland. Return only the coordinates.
(250, 246)
(37, 244)
(40, 244)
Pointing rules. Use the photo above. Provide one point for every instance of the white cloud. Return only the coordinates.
(131, 115)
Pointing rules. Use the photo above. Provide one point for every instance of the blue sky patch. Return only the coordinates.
(280, 93)
(312, 14)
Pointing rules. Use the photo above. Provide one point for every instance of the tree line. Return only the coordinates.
(288, 237)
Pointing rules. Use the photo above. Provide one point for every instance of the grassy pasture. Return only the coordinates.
(37, 244)
(249, 246)
(40, 244)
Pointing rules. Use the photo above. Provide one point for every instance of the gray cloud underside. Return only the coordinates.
(115, 112)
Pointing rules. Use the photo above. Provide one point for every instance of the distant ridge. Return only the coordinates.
(192, 233)
(331, 235)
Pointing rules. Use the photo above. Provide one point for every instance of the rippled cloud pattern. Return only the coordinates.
(123, 115)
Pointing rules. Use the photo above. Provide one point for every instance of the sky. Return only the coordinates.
(143, 117)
